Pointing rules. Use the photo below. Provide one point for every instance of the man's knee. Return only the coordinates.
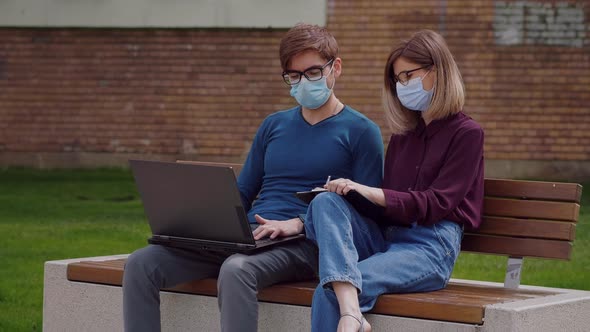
(140, 264)
(136, 262)
(236, 268)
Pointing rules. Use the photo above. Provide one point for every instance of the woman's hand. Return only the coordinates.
(343, 186)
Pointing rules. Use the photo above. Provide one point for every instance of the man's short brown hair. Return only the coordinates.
(303, 37)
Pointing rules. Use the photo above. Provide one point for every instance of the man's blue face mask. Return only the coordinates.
(413, 96)
(312, 94)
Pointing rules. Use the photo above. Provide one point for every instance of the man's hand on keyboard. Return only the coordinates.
(277, 228)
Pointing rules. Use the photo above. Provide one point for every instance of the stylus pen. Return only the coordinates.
(328, 180)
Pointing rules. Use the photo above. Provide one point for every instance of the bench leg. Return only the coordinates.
(512, 279)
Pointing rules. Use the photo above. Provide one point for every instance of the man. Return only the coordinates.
(293, 150)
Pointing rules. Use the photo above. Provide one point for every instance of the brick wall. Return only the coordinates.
(201, 93)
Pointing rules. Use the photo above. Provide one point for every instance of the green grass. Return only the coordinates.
(48, 215)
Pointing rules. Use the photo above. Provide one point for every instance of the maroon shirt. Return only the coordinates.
(435, 173)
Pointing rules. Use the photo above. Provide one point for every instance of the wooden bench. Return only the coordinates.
(521, 219)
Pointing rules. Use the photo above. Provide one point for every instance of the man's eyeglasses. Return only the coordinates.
(404, 76)
(292, 77)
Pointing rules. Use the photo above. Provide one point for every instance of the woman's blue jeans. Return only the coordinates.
(376, 261)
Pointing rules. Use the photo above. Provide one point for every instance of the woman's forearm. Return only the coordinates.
(375, 195)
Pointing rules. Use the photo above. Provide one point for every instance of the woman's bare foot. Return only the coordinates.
(353, 323)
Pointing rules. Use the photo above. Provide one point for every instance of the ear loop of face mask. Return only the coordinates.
(329, 73)
(423, 77)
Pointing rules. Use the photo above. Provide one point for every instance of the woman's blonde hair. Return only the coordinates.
(425, 48)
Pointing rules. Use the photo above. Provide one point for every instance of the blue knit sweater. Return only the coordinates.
(289, 155)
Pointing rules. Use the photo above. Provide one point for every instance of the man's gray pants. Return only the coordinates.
(239, 277)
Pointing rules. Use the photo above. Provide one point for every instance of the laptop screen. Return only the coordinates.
(192, 201)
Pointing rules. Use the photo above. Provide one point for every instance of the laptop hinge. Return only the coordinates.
(244, 222)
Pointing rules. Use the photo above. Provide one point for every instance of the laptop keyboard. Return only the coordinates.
(265, 241)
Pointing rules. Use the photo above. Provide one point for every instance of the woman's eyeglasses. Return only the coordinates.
(404, 76)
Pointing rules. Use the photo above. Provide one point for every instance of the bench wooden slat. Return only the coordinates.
(97, 272)
(501, 207)
(534, 228)
(406, 306)
(464, 288)
(442, 306)
(458, 302)
(518, 247)
(553, 191)
(301, 293)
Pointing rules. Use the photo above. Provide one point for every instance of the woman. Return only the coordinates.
(432, 189)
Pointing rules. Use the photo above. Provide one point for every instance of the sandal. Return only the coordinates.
(361, 321)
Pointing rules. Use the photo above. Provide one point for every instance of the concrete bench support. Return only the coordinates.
(79, 306)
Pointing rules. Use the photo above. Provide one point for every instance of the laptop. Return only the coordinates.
(196, 206)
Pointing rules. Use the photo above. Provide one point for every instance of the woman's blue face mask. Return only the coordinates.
(413, 96)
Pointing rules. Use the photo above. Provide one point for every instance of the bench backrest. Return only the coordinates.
(521, 218)
(527, 219)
